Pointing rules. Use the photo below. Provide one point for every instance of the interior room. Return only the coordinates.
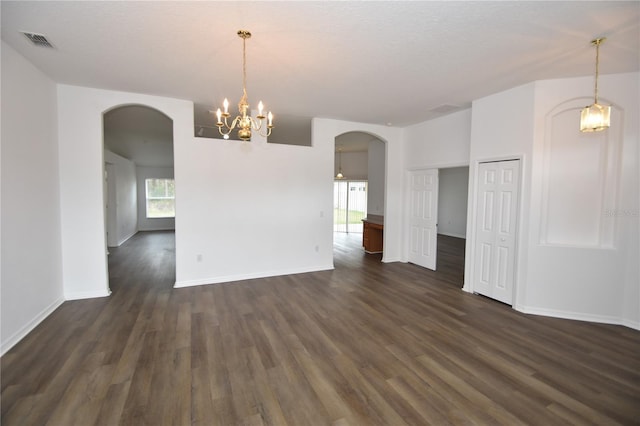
(175, 248)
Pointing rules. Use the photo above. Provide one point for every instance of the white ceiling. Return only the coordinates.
(143, 135)
(377, 62)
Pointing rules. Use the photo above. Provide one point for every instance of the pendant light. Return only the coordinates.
(595, 117)
(339, 175)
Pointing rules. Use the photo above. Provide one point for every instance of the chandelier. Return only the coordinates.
(595, 117)
(245, 123)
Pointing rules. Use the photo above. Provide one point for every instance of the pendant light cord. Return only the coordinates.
(597, 43)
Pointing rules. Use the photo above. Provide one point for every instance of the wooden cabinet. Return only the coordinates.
(372, 234)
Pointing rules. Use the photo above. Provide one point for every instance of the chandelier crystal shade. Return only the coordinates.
(595, 117)
(244, 122)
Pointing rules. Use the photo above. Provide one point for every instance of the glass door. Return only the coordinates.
(349, 205)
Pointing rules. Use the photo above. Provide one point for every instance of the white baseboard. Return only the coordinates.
(125, 239)
(12, 340)
(578, 316)
(631, 324)
(242, 277)
(451, 234)
(87, 294)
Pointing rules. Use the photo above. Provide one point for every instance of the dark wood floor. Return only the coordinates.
(365, 344)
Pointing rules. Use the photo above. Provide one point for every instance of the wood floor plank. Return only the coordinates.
(368, 343)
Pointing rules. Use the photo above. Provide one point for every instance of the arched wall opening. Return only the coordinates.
(359, 183)
(139, 173)
(81, 160)
(324, 134)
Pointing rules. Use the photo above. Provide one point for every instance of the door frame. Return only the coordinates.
(406, 231)
(472, 209)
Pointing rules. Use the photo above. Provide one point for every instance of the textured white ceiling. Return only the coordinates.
(376, 62)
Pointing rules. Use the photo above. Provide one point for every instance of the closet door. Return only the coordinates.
(496, 237)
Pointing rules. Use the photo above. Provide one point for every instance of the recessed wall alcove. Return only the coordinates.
(580, 179)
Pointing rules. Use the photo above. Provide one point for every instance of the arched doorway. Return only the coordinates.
(359, 186)
(139, 173)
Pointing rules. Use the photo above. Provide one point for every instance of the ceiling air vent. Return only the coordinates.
(38, 39)
(445, 109)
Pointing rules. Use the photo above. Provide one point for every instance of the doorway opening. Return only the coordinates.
(438, 220)
(359, 186)
(138, 162)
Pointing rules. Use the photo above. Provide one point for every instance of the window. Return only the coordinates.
(161, 195)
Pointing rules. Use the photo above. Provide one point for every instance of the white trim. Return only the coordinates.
(631, 324)
(578, 316)
(28, 327)
(125, 239)
(438, 166)
(242, 277)
(152, 229)
(87, 295)
(472, 225)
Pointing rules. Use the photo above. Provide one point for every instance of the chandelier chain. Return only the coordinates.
(244, 67)
(597, 43)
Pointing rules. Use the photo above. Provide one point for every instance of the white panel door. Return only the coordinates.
(423, 220)
(495, 242)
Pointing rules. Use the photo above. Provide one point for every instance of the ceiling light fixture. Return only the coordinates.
(339, 175)
(595, 117)
(243, 121)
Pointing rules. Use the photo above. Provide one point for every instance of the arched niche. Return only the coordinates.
(580, 175)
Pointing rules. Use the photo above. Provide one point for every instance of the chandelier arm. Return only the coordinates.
(222, 132)
(256, 124)
(234, 123)
(268, 132)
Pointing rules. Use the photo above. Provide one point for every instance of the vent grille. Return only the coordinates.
(38, 40)
(445, 109)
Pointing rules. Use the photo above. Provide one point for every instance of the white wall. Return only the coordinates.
(452, 201)
(31, 276)
(502, 127)
(376, 161)
(570, 280)
(441, 142)
(248, 210)
(354, 165)
(81, 162)
(324, 132)
(152, 224)
(125, 188)
(591, 274)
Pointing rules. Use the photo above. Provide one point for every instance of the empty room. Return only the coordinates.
(320, 213)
